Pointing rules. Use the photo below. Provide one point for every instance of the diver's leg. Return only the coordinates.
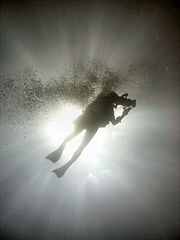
(86, 139)
(54, 156)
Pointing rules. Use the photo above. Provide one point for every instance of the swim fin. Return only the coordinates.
(55, 156)
(60, 171)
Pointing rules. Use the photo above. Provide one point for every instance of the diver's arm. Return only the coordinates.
(116, 121)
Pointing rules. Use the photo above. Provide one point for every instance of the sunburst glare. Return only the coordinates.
(61, 123)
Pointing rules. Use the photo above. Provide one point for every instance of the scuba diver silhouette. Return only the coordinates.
(97, 114)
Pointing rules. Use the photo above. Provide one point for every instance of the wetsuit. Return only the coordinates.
(97, 114)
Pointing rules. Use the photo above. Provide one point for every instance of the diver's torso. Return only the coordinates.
(97, 114)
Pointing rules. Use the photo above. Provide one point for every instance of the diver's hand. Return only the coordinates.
(118, 119)
(126, 110)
